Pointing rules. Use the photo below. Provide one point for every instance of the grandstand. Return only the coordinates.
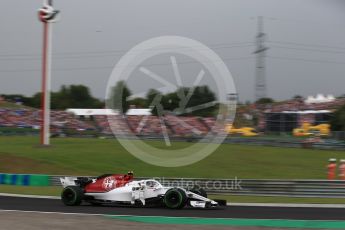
(287, 115)
(63, 121)
(276, 117)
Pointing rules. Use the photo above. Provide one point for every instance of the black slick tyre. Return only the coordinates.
(175, 198)
(72, 195)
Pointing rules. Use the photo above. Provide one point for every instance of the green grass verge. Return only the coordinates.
(235, 222)
(81, 156)
(31, 190)
(56, 190)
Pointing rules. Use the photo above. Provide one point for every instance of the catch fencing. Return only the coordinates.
(288, 188)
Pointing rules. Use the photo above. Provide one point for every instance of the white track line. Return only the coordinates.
(29, 196)
(292, 205)
(61, 213)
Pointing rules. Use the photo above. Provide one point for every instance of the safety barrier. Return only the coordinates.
(326, 144)
(273, 142)
(289, 188)
(24, 179)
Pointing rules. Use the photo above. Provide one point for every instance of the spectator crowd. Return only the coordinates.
(179, 126)
(118, 124)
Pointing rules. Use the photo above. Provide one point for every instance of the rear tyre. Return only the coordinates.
(175, 198)
(72, 195)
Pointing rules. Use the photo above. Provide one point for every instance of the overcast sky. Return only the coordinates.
(306, 40)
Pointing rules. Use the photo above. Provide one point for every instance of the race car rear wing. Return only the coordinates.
(68, 181)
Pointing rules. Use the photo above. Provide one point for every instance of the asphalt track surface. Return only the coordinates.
(252, 212)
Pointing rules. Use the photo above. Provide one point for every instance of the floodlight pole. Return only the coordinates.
(47, 16)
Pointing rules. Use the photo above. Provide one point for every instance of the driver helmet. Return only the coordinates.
(150, 184)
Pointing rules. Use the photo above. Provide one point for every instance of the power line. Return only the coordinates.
(307, 49)
(308, 45)
(304, 21)
(95, 56)
(214, 46)
(110, 67)
(56, 69)
(306, 60)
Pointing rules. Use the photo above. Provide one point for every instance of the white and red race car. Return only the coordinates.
(121, 189)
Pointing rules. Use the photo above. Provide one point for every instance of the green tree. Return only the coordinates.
(298, 97)
(202, 102)
(264, 100)
(170, 101)
(61, 99)
(139, 102)
(74, 96)
(338, 119)
(119, 97)
(35, 100)
(80, 97)
(17, 98)
(153, 98)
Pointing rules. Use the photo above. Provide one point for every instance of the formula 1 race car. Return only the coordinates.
(121, 189)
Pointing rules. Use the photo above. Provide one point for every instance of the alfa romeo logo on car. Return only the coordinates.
(109, 183)
(173, 48)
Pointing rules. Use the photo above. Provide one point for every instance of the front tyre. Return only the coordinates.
(175, 198)
(72, 195)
